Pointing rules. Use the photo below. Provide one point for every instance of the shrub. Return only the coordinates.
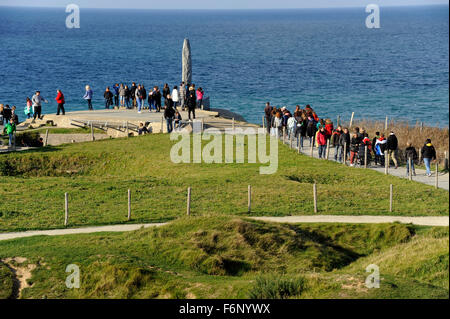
(277, 287)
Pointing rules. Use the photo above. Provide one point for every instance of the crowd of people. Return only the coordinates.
(135, 96)
(304, 123)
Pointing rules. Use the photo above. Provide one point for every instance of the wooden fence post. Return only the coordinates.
(249, 198)
(391, 196)
(386, 124)
(66, 209)
(436, 183)
(290, 140)
(189, 201)
(328, 149)
(386, 162)
(351, 120)
(92, 132)
(284, 134)
(46, 138)
(315, 197)
(298, 143)
(365, 156)
(129, 204)
(410, 168)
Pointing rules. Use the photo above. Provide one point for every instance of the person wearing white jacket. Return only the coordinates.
(175, 97)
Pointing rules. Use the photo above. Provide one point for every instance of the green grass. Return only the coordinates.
(98, 174)
(232, 257)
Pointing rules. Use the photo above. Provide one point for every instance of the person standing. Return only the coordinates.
(268, 116)
(60, 100)
(335, 141)
(9, 129)
(28, 109)
(380, 147)
(108, 96)
(139, 98)
(182, 95)
(191, 103)
(344, 142)
(37, 100)
(116, 94)
(322, 141)
(392, 145)
(200, 94)
(157, 98)
(428, 155)
(143, 95)
(165, 92)
(14, 116)
(175, 97)
(354, 146)
(169, 113)
(151, 102)
(133, 93)
(88, 97)
(122, 95)
(127, 96)
(411, 154)
(374, 142)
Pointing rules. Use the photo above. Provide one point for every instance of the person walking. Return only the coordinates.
(191, 103)
(169, 113)
(10, 129)
(88, 97)
(380, 147)
(28, 109)
(411, 154)
(37, 100)
(182, 95)
(60, 100)
(268, 116)
(428, 155)
(175, 97)
(108, 96)
(322, 141)
(392, 145)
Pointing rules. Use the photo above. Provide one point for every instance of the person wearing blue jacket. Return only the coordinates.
(88, 97)
(116, 94)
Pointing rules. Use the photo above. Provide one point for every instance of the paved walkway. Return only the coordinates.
(424, 221)
(443, 178)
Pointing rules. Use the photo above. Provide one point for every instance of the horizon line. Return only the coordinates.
(230, 9)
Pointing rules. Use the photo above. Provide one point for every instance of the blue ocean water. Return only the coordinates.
(323, 57)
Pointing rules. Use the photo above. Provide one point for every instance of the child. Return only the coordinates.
(178, 119)
(28, 109)
(9, 129)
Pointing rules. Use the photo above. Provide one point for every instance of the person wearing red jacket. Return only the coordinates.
(322, 141)
(60, 100)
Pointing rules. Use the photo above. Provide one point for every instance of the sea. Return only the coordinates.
(327, 58)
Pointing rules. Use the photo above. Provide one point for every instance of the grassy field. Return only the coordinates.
(224, 256)
(98, 174)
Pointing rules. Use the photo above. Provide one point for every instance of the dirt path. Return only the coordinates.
(424, 221)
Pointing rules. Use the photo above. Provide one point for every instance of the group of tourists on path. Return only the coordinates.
(304, 123)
